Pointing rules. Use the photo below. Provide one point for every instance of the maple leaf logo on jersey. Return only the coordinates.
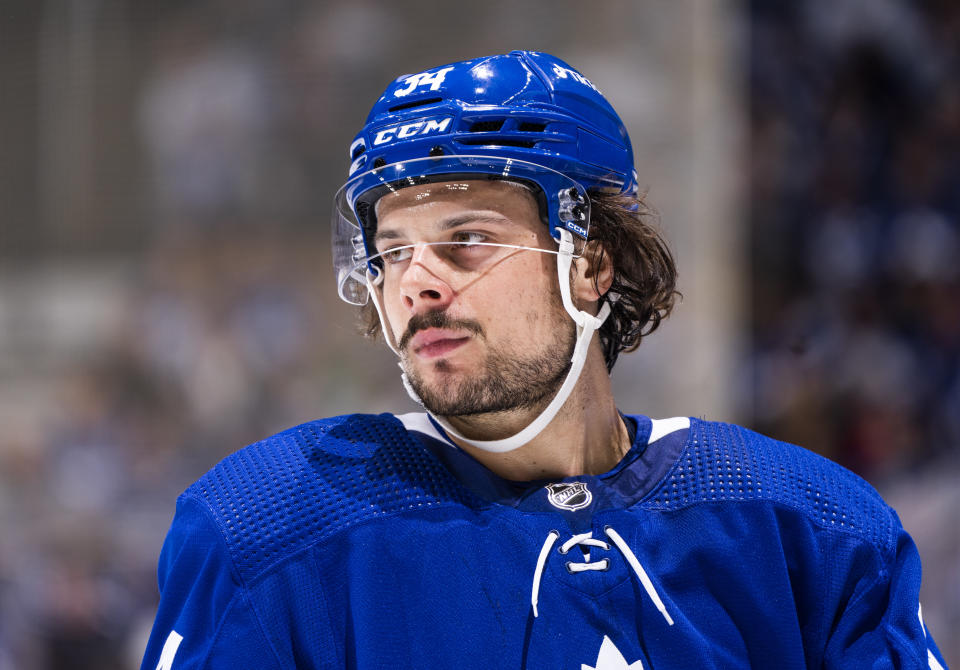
(572, 496)
(610, 658)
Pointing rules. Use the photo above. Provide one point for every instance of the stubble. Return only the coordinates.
(507, 380)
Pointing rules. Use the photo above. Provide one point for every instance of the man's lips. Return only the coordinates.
(434, 342)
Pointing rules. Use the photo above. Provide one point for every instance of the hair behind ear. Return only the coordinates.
(624, 236)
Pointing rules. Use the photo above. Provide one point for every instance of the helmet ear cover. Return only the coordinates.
(365, 205)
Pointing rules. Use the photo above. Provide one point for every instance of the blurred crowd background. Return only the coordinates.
(166, 292)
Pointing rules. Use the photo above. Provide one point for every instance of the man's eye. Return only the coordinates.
(396, 255)
(466, 239)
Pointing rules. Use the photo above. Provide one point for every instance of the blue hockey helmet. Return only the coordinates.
(524, 116)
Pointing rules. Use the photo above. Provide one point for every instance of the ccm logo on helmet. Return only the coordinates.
(406, 130)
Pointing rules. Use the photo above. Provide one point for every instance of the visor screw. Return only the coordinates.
(379, 163)
(436, 150)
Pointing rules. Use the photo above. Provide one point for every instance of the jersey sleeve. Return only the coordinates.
(881, 625)
(205, 618)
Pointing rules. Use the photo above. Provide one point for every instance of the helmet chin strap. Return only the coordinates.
(587, 324)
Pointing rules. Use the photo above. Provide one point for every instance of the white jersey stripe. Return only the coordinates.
(169, 650)
(663, 427)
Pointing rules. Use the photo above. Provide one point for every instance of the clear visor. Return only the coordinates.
(463, 248)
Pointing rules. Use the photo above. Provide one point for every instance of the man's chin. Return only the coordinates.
(456, 396)
(464, 387)
(437, 372)
(442, 392)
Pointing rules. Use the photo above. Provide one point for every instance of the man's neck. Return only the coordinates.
(588, 435)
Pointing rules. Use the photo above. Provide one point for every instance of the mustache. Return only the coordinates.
(436, 320)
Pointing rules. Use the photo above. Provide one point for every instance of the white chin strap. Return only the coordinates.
(586, 325)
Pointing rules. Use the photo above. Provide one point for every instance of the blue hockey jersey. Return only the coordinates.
(373, 542)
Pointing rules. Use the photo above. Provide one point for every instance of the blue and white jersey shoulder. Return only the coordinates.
(724, 463)
(318, 479)
(372, 541)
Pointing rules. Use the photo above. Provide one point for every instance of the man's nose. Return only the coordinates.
(422, 286)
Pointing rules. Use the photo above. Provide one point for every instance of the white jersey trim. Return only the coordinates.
(419, 422)
(169, 651)
(663, 427)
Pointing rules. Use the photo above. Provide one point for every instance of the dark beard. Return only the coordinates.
(507, 381)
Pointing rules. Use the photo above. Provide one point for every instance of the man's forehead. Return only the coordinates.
(495, 194)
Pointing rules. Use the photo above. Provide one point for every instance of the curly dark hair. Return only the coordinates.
(644, 273)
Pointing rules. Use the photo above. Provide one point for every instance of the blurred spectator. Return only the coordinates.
(862, 185)
(855, 239)
(205, 113)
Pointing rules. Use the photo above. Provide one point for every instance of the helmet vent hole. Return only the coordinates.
(486, 126)
(531, 127)
(358, 152)
(415, 103)
(500, 142)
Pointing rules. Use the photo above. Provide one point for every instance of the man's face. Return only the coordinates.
(479, 328)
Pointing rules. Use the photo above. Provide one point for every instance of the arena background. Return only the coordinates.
(166, 294)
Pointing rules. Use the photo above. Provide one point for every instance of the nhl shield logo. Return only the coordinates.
(570, 496)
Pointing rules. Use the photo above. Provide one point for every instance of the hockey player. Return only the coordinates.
(491, 226)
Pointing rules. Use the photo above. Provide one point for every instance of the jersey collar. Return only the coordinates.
(655, 447)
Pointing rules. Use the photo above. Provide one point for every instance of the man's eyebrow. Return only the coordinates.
(446, 224)
(386, 235)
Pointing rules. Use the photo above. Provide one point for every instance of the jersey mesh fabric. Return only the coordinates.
(302, 485)
(355, 547)
(724, 462)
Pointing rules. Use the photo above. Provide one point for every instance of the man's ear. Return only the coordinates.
(592, 273)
